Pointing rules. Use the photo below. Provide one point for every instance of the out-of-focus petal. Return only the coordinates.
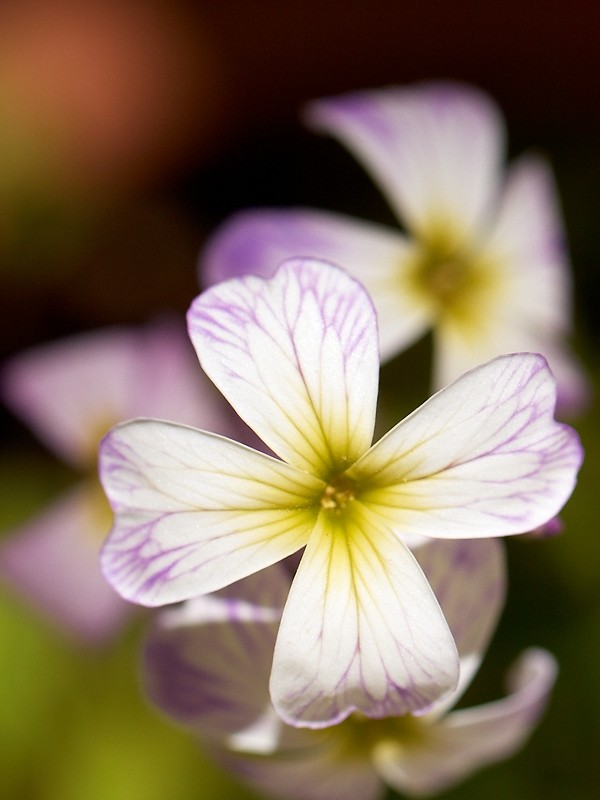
(207, 662)
(195, 512)
(53, 562)
(314, 774)
(71, 391)
(483, 457)
(468, 577)
(256, 242)
(435, 149)
(297, 357)
(529, 307)
(361, 629)
(466, 740)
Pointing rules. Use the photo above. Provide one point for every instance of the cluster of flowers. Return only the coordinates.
(322, 676)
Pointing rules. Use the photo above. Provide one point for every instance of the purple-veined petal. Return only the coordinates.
(297, 357)
(483, 457)
(207, 662)
(195, 511)
(468, 577)
(71, 391)
(468, 739)
(317, 773)
(435, 149)
(52, 561)
(361, 629)
(257, 241)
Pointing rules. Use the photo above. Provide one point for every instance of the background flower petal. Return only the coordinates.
(195, 512)
(468, 739)
(52, 561)
(468, 577)
(257, 241)
(483, 457)
(207, 662)
(435, 149)
(297, 357)
(313, 774)
(71, 391)
(361, 629)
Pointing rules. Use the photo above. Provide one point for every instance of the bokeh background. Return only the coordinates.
(128, 131)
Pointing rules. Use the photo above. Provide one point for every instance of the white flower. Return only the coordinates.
(297, 357)
(482, 262)
(207, 666)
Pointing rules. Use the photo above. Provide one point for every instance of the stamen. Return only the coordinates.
(337, 494)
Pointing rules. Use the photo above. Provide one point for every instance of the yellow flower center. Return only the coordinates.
(338, 493)
(451, 276)
(359, 734)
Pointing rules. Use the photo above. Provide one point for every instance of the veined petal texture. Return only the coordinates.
(257, 241)
(483, 457)
(195, 511)
(297, 357)
(361, 630)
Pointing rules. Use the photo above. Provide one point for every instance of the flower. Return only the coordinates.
(482, 263)
(206, 665)
(297, 357)
(70, 392)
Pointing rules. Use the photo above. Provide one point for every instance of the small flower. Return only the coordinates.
(483, 262)
(297, 357)
(70, 392)
(207, 666)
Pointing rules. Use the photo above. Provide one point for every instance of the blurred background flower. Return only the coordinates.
(128, 131)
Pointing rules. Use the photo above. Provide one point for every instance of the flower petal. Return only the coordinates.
(207, 662)
(483, 457)
(361, 629)
(71, 391)
(53, 561)
(466, 740)
(195, 512)
(297, 357)
(529, 306)
(468, 577)
(434, 149)
(256, 242)
(317, 773)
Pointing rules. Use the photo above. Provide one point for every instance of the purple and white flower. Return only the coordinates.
(482, 262)
(297, 357)
(70, 392)
(207, 665)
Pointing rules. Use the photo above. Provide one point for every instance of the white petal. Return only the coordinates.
(207, 662)
(361, 629)
(71, 391)
(256, 242)
(297, 357)
(483, 457)
(195, 512)
(466, 740)
(468, 577)
(433, 148)
(528, 305)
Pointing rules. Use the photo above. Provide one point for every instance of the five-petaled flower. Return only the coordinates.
(70, 392)
(297, 356)
(207, 665)
(482, 263)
